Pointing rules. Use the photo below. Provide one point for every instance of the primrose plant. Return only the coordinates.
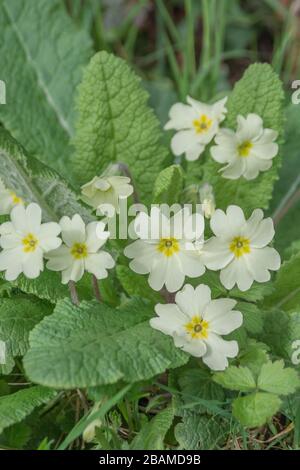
(192, 294)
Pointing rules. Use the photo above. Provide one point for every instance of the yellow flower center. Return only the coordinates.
(202, 124)
(240, 246)
(244, 148)
(168, 246)
(15, 199)
(197, 327)
(30, 243)
(79, 250)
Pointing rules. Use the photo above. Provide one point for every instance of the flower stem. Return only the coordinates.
(168, 296)
(96, 288)
(73, 293)
(125, 170)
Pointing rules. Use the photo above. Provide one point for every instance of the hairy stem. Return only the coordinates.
(73, 293)
(96, 288)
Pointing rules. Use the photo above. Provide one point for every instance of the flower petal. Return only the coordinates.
(195, 347)
(227, 225)
(237, 273)
(96, 236)
(234, 170)
(259, 261)
(73, 230)
(19, 219)
(98, 264)
(181, 117)
(249, 128)
(158, 273)
(33, 218)
(169, 319)
(184, 141)
(217, 352)
(10, 241)
(174, 276)
(216, 253)
(263, 234)
(33, 264)
(193, 301)
(59, 259)
(191, 263)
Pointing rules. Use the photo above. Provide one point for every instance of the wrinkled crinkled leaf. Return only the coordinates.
(255, 409)
(236, 378)
(281, 332)
(168, 185)
(95, 345)
(252, 317)
(197, 388)
(18, 316)
(199, 432)
(48, 286)
(116, 125)
(274, 378)
(42, 56)
(152, 434)
(35, 182)
(254, 357)
(14, 408)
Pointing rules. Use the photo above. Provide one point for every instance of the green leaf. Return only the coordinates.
(274, 378)
(48, 286)
(281, 330)
(288, 184)
(254, 357)
(152, 434)
(196, 386)
(259, 91)
(287, 290)
(18, 316)
(35, 182)
(42, 55)
(199, 432)
(236, 378)
(95, 345)
(168, 185)
(115, 124)
(14, 408)
(16, 436)
(252, 317)
(256, 293)
(136, 285)
(255, 409)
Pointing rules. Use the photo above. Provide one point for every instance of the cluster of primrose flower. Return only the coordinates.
(245, 152)
(238, 248)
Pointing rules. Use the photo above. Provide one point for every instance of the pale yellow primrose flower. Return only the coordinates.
(80, 251)
(239, 248)
(196, 124)
(196, 323)
(25, 241)
(247, 151)
(168, 250)
(106, 190)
